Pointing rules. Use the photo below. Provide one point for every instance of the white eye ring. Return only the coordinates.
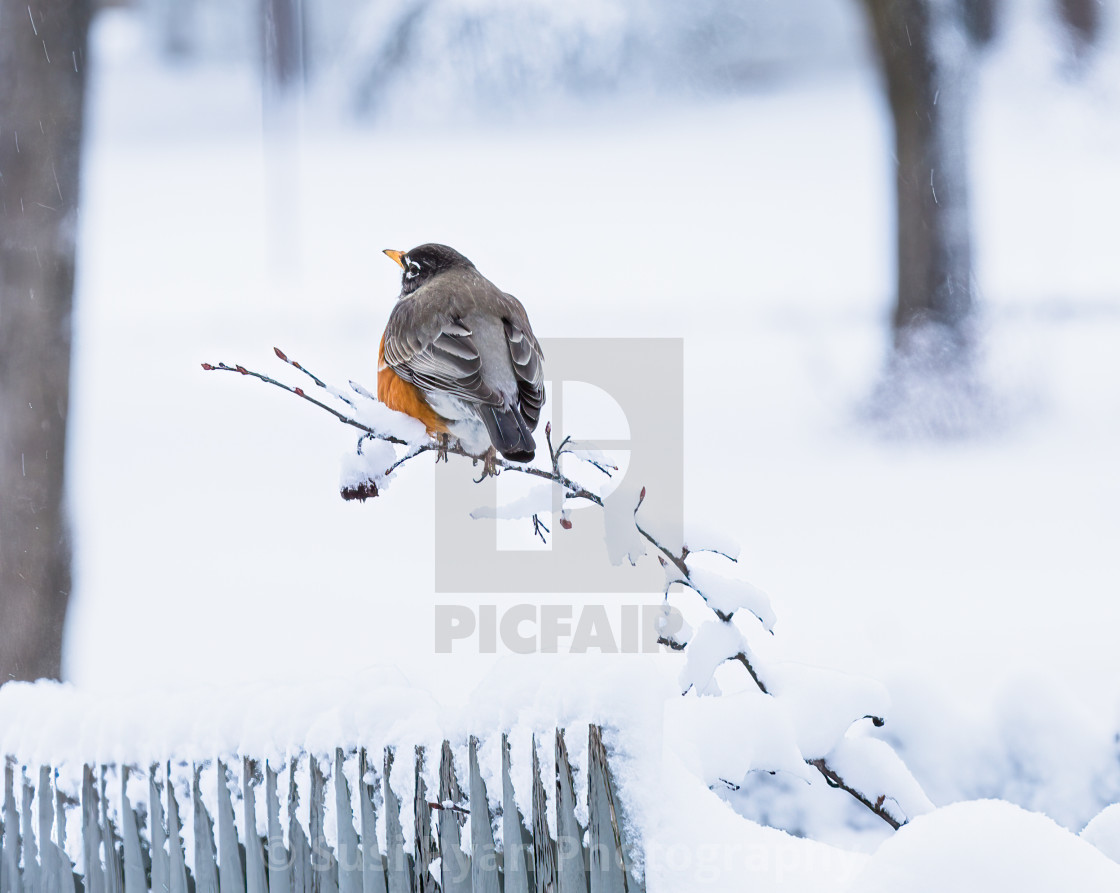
(412, 271)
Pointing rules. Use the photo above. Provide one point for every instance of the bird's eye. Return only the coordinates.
(412, 270)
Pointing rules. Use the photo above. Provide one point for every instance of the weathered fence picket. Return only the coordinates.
(161, 863)
(399, 869)
(484, 854)
(231, 876)
(279, 868)
(518, 868)
(571, 858)
(299, 848)
(254, 854)
(609, 857)
(129, 846)
(31, 875)
(348, 855)
(544, 847)
(425, 845)
(178, 881)
(114, 874)
(91, 838)
(455, 865)
(10, 881)
(374, 866)
(322, 862)
(47, 859)
(134, 879)
(205, 861)
(66, 877)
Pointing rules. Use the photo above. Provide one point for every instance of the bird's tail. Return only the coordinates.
(508, 432)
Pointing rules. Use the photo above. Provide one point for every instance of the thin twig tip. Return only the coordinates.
(280, 354)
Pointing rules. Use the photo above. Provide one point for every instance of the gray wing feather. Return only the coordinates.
(528, 362)
(436, 351)
(438, 356)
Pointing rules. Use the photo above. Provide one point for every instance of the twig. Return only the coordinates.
(334, 392)
(538, 526)
(745, 661)
(462, 810)
(834, 779)
(299, 392)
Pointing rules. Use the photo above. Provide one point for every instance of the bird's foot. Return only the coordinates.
(489, 465)
(444, 441)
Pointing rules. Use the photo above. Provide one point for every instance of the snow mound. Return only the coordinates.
(720, 740)
(985, 845)
(1103, 832)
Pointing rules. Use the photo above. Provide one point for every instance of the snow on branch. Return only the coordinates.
(818, 713)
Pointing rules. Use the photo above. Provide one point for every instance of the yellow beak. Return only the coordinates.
(397, 256)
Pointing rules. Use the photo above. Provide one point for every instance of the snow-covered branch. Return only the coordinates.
(816, 720)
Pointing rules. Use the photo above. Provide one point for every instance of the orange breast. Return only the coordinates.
(398, 394)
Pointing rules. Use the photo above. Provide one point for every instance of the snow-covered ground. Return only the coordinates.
(978, 580)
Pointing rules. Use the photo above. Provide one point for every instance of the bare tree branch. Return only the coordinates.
(876, 806)
(745, 661)
(299, 392)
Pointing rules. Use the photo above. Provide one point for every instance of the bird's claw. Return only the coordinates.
(444, 441)
(489, 465)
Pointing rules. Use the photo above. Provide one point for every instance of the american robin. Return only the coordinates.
(459, 354)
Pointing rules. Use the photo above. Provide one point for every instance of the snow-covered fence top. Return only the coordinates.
(354, 823)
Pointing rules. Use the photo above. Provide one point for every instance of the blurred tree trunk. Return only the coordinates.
(981, 18)
(42, 81)
(925, 50)
(174, 23)
(1082, 18)
(283, 75)
(282, 31)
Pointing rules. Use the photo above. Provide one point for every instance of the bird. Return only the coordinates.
(459, 354)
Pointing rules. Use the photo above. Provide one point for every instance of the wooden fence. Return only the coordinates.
(133, 849)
